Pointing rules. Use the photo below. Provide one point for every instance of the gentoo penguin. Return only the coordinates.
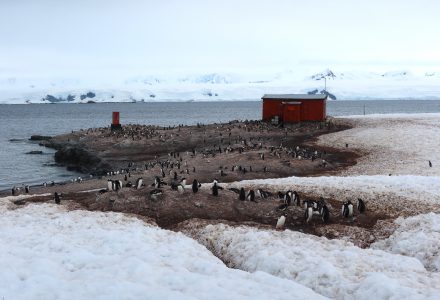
(430, 163)
(296, 198)
(26, 188)
(308, 214)
(125, 177)
(195, 186)
(361, 205)
(129, 184)
(242, 195)
(181, 188)
(251, 196)
(183, 182)
(325, 213)
(13, 191)
(154, 194)
(280, 223)
(57, 198)
(109, 185)
(347, 209)
(288, 198)
(214, 188)
(139, 182)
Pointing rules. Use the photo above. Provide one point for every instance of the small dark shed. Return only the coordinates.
(292, 108)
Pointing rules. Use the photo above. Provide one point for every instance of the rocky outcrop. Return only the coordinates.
(76, 158)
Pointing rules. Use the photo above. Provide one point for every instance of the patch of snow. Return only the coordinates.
(333, 268)
(47, 252)
(417, 236)
(399, 144)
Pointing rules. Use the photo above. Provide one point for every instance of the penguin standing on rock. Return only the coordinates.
(57, 198)
(361, 205)
(215, 188)
(242, 195)
(195, 186)
(109, 185)
(347, 209)
(139, 182)
(308, 214)
(325, 213)
(251, 196)
(26, 188)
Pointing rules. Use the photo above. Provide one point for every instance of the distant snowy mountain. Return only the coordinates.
(341, 85)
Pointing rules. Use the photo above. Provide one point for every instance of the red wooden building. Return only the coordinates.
(292, 108)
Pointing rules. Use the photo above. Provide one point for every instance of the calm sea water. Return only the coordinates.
(19, 122)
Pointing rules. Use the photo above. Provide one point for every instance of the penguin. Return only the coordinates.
(242, 195)
(430, 163)
(139, 182)
(180, 188)
(282, 206)
(281, 195)
(57, 198)
(280, 223)
(308, 214)
(154, 194)
(361, 205)
(129, 184)
(235, 190)
(296, 198)
(288, 198)
(195, 186)
(325, 213)
(347, 209)
(26, 188)
(125, 177)
(214, 189)
(251, 196)
(109, 185)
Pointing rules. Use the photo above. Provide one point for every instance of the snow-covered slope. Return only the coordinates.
(352, 85)
(47, 252)
(333, 268)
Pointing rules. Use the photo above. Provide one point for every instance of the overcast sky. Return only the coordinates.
(75, 37)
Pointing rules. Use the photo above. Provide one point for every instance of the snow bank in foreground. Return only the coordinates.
(334, 268)
(400, 144)
(49, 253)
(417, 236)
(394, 194)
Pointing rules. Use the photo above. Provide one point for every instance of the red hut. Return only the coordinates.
(292, 108)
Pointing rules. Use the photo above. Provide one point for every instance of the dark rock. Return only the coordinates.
(79, 159)
(40, 138)
(35, 152)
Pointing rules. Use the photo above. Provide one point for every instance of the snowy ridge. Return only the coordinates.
(351, 85)
(418, 237)
(333, 268)
(47, 252)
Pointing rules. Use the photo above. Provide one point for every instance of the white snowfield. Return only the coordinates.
(344, 84)
(397, 144)
(47, 252)
(333, 268)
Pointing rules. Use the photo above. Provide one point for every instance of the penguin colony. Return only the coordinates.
(171, 171)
